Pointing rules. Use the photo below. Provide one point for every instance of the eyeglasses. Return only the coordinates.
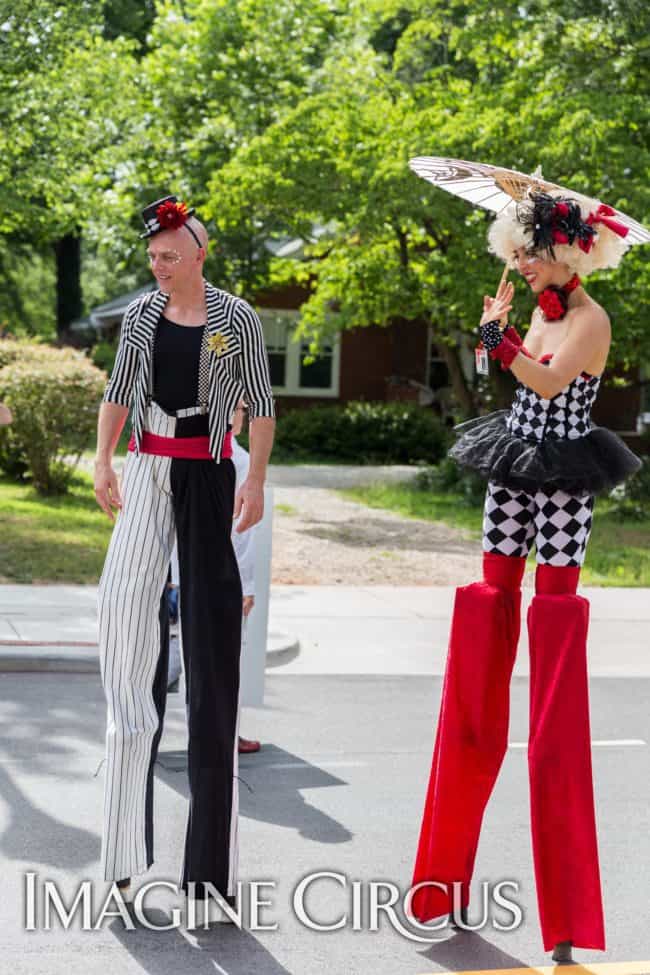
(167, 257)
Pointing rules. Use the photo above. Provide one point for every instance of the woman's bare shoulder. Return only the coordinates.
(592, 317)
(593, 328)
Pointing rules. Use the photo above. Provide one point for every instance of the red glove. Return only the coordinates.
(500, 345)
(511, 333)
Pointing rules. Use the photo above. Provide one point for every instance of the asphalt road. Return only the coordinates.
(337, 787)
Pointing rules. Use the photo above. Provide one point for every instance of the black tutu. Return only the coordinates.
(594, 463)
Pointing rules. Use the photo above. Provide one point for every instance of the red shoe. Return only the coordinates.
(248, 745)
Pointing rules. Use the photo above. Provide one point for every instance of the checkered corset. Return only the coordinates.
(566, 416)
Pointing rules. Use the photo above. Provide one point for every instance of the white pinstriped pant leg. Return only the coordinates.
(234, 822)
(134, 575)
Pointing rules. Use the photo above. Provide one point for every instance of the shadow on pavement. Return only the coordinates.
(469, 951)
(275, 777)
(221, 948)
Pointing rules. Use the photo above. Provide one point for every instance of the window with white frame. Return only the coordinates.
(276, 337)
(290, 375)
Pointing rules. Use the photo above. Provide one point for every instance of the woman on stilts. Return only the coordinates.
(544, 462)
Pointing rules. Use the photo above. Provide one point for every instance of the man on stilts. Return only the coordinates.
(187, 353)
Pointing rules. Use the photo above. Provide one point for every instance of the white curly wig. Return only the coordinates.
(506, 233)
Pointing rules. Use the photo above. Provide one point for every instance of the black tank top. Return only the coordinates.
(176, 355)
(176, 364)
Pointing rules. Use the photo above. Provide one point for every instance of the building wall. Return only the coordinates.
(370, 355)
(617, 407)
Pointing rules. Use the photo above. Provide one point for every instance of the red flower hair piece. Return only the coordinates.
(171, 215)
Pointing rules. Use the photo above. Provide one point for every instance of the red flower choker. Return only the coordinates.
(554, 300)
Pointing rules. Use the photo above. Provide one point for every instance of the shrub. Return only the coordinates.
(54, 395)
(103, 355)
(632, 499)
(638, 486)
(10, 350)
(449, 477)
(364, 432)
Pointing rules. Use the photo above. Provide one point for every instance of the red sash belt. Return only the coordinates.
(194, 448)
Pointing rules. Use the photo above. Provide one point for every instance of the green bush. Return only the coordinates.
(632, 499)
(103, 355)
(9, 351)
(362, 432)
(637, 488)
(448, 477)
(54, 395)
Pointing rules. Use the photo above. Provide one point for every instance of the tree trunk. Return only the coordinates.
(461, 388)
(408, 348)
(68, 283)
(503, 383)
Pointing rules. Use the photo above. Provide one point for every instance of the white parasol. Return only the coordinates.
(493, 187)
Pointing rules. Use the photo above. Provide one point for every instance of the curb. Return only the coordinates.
(37, 657)
(281, 647)
(83, 658)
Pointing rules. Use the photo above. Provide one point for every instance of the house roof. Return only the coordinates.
(117, 306)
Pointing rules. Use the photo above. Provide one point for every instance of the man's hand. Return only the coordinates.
(247, 605)
(5, 415)
(107, 491)
(249, 502)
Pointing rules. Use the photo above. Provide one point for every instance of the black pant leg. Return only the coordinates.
(211, 614)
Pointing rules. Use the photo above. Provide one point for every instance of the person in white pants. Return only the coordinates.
(244, 545)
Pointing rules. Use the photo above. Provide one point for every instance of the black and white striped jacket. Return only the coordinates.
(241, 370)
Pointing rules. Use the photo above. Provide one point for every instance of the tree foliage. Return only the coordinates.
(275, 117)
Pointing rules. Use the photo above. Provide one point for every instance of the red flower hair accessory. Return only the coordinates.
(172, 214)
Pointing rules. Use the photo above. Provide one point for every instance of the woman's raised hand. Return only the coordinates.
(499, 306)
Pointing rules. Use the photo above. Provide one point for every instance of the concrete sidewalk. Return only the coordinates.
(340, 629)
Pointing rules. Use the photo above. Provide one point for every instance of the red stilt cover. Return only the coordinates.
(472, 734)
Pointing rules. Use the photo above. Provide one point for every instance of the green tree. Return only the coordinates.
(519, 87)
(64, 103)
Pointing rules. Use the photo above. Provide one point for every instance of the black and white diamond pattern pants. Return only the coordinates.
(557, 523)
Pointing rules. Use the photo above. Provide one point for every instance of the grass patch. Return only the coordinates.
(286, 509)
(405, 500)
(618, 553)
(56, 539)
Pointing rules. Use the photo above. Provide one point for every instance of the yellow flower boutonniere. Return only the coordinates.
(218, 343)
